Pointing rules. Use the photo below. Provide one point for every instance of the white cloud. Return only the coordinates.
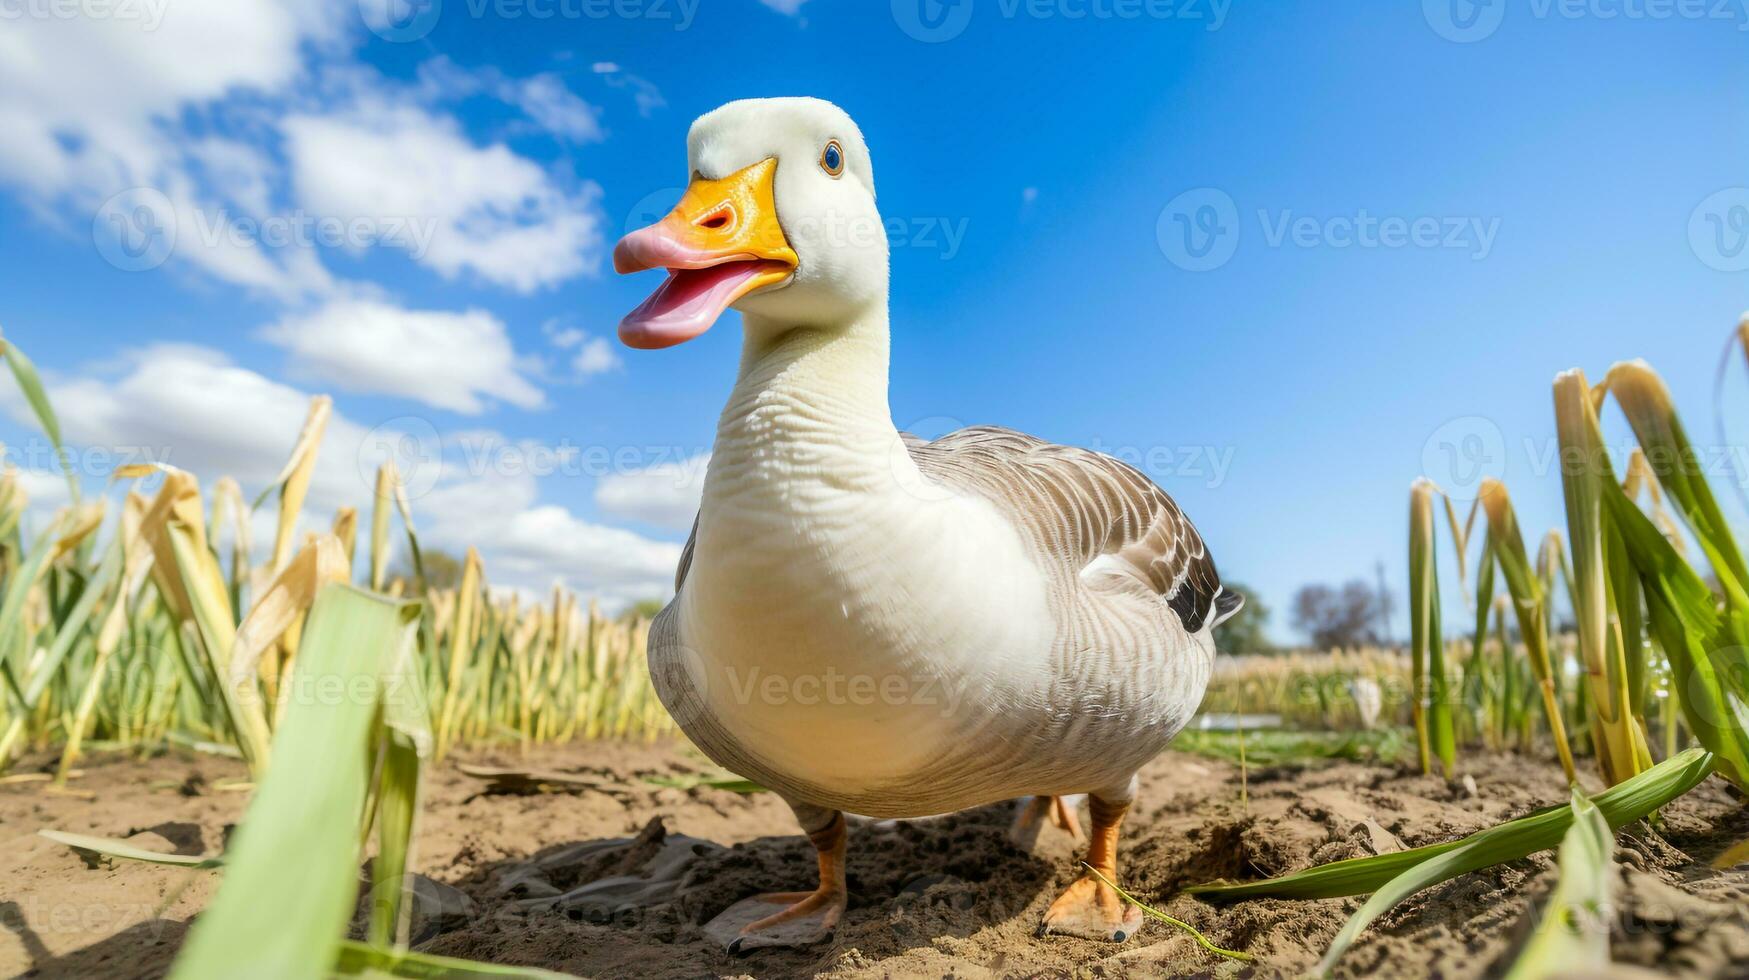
(645, 94)
(786, 7)
(88, 106)
(555, 108)
(45, 490)
(588, 355)
(455, 361)
(194, 408)
(596, 355)
(665, 494)
(496, 214)
(532, 545)
(188, 100)
(544, 98)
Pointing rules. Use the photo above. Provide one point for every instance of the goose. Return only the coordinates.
(870, 623)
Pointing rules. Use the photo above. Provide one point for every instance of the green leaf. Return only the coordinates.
(292, 882)
(1573, 936)
(29, 382)
(1156, 914)
(111, 847)
(1518, 839)
(360, 960)
(1627, 801)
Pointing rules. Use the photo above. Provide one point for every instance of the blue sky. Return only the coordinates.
(1285, 257)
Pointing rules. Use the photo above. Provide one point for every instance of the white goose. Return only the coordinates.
(869, 623)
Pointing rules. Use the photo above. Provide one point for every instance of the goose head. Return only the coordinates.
(779, 222)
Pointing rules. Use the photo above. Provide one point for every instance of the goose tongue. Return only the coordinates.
(688, 302)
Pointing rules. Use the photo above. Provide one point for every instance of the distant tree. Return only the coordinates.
(442, 569)
(645, 608)
(1246, 632)
(1340, 616)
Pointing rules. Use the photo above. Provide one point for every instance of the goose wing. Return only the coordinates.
(1088, 515)
(1086, 512)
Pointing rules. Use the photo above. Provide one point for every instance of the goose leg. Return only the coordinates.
(1090, 908)
(1035, 811)
(794, 918)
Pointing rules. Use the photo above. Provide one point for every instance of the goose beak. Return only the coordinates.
(720, 243)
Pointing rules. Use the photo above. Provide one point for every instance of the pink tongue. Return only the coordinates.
(685, 305)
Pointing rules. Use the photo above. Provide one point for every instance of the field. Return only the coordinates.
(291, 757)
(936, 898)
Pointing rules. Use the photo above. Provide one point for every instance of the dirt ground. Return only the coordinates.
(549, 878)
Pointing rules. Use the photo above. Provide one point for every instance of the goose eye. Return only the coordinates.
(832, 158)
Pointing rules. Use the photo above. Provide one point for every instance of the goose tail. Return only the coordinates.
(1227, 605)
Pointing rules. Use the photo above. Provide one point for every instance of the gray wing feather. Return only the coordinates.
(1080, 506)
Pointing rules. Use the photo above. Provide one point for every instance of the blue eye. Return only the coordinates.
(832, 158)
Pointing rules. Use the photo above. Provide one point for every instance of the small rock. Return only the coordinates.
(1378, 838)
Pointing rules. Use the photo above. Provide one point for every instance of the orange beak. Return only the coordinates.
(720, 243)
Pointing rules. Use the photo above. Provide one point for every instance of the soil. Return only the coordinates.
(944, 897)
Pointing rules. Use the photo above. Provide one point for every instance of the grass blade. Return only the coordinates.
(1153, 913)
(360, 960)
(30, 383)
(300, 839)
(1586, 476)
(1509, 842)
(1573, 937)
(110, 847)
(1621, 804)
(1434, 726)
